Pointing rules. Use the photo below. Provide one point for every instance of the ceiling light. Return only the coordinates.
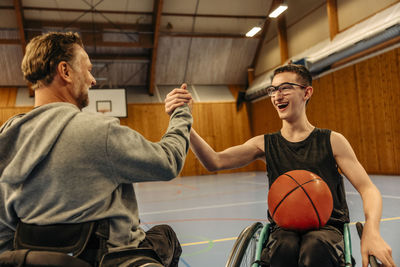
(253, 31)
(279, 10)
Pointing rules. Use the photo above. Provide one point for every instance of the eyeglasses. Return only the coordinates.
(283, 88)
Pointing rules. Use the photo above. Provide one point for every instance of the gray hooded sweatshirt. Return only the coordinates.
(61, 165)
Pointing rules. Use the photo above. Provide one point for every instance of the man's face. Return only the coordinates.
(82, 77)
(289, 102)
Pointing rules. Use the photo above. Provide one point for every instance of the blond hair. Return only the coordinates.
(45, 52)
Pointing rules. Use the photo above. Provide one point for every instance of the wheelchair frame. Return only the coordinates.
(244, 253)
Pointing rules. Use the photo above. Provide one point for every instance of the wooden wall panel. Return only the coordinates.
(361, 102)
(379, 83)
(6, 113)
(395, 96)
(222, 126)
(148, 119)
(323, 89)
(264, 118)
(8, 97)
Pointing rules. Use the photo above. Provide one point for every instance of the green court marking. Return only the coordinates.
(206, 241)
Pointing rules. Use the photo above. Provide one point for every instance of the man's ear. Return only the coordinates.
(64, 71)
(308, 92)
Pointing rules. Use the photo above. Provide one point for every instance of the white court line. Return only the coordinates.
(383, 196)
(256, 183)
(233, 205)
(204, 207)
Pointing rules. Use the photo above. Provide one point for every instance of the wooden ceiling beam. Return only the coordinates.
(205, 35)
(331, 6)
(282, 38)
(171, 14)
(119, 57)
(96, 39)
(22, 38)
(20, 22)
(10, 41)
(100, 26)
(158, 5)
(88, 42)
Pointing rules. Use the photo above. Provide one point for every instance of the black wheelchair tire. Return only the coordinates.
(142, 261)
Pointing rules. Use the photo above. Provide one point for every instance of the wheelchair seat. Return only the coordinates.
(247, 249)
(72, 245)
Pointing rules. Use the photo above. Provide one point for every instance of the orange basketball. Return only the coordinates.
(300, 200)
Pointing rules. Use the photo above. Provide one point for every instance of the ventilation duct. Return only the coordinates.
(378, 29)
(324, 64)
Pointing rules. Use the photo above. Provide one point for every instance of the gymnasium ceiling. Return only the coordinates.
(156, 41)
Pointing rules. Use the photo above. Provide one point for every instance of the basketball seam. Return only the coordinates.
(309, 198)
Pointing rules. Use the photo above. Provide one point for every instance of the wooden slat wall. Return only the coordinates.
(361, 102)
(6, 113)
(8, 97)
(222, 127)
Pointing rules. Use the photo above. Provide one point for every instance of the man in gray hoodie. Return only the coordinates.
(61, 165)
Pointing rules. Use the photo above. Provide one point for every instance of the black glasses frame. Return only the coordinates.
(273, 89)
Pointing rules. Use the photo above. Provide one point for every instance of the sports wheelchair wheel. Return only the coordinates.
(245, 248)
(141, 262)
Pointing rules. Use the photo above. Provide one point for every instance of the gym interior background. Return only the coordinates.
(149, 47)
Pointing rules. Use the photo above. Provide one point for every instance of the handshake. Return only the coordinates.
(178, 97)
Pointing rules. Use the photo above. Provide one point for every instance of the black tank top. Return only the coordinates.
(313, 154)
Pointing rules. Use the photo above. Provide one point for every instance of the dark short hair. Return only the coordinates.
(45, 52)
(301, 71)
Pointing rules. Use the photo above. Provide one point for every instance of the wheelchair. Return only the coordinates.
(72, 245)
(246, 251)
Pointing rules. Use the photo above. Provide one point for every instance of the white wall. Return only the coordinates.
(351, 12)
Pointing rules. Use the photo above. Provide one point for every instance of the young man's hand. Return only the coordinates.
(373, 244)
(176, 98)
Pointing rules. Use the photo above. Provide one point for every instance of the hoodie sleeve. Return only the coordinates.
(7, 221)
(6, 238)
(135, 159)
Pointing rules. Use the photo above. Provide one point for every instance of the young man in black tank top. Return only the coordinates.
(290, 91)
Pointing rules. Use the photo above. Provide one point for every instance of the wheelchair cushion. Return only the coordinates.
(67, 238)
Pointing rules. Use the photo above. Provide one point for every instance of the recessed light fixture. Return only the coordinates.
(253, 31)
(279, 10)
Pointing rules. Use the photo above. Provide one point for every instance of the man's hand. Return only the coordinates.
(373, 244)
(176, 98)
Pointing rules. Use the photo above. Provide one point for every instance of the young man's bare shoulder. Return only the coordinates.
(337, 138)
(257, 141)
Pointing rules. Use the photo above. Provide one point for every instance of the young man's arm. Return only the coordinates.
(233, 157)
(371, 242)
(230, 158)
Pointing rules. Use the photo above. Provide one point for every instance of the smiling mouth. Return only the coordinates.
(282, 106)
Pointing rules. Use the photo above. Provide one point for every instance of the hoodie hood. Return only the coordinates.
(26, 139)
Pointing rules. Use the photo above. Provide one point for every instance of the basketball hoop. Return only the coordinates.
(103, 110)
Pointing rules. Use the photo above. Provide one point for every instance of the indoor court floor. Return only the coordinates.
(208, 212)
